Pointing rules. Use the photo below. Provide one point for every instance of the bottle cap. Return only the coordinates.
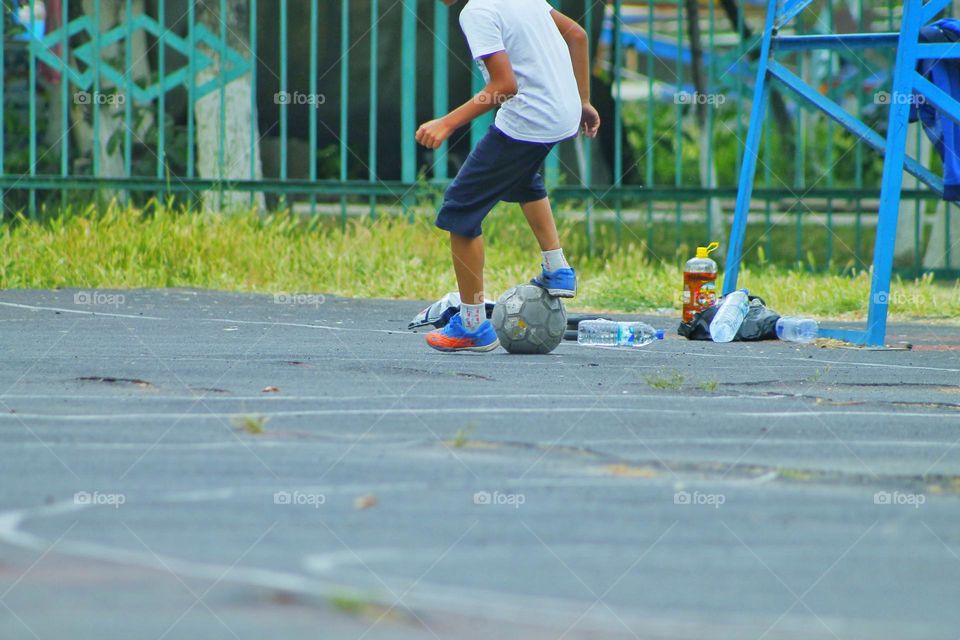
(703, 252)
(660, 334)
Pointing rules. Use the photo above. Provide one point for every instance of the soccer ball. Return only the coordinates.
(527, 319)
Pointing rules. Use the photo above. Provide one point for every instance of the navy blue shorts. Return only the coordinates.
(500, 169)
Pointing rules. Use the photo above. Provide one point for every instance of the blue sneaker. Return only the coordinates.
(561, 283)
(454, 337)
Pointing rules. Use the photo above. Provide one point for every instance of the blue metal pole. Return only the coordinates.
(892, 181)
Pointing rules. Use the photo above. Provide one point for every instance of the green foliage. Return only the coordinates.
(665, 380)
(778, 153)
(251, 424)
(709, 386)
(462, 436)
(390, 258)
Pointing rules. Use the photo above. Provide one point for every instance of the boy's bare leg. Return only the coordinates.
(558, 278)
(468, 258)
(539, 216)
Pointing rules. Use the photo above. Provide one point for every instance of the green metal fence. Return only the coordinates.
(109, 103)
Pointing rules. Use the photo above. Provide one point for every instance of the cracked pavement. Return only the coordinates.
(186, 464)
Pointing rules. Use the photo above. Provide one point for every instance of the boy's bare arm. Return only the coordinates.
(579, 44)
(502, 87)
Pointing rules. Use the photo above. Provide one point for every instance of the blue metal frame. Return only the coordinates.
(906, 81)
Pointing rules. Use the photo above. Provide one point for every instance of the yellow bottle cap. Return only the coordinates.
(703, 252)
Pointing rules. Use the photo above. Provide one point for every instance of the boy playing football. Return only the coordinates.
(536, 64)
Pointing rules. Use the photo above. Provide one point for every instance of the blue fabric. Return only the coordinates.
(499, 169)
(942, 131)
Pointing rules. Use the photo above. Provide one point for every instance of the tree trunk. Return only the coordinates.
(111, 158)
(240, 120)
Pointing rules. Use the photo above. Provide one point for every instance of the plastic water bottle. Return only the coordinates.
(730, 316)
(798, 329)
(607, 333)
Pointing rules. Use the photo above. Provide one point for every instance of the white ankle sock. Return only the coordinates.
(472, 315)
(553, 260)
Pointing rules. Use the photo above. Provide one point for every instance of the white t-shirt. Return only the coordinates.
(547, 106)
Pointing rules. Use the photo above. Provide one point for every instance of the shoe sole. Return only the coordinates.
(484, 349)
(556, 293)
(562, 293)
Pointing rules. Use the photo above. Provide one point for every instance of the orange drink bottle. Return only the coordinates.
(699, 282)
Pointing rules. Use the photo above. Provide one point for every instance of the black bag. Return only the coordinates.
(760, 323)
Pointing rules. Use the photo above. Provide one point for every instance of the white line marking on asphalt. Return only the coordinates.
(393, 441)
(786, 442)
(307, 326)
(381, 397)
(506, 607)
(839, 363)
(78, 311)
(460, 410)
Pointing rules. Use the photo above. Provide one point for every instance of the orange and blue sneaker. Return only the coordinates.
(561, 283)
(454, 337)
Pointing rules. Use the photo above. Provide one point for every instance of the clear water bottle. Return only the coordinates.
(798, 329)
(730, 316)
(607, 333)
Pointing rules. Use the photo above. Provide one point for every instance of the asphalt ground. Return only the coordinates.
(193, 464)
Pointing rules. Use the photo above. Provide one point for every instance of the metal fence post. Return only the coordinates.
(344, 100)
(408, 106)
(374, 99)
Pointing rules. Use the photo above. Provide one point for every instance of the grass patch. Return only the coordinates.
(818, 375)
(462, 437)
(360, 607)
(665, 380)
(795, 474)
(250, 424)
(709, 386)
(390, 258)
